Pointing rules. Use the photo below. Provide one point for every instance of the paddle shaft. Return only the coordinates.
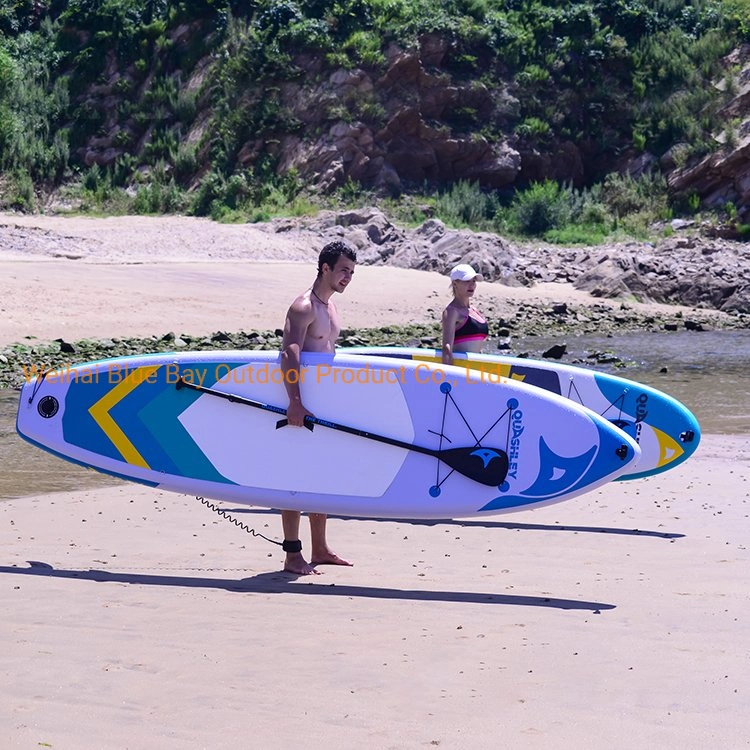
(488, 466)
(310, 420)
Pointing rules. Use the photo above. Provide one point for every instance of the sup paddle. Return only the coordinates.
(484, 465)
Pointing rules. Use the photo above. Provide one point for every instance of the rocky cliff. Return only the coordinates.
(685, 269)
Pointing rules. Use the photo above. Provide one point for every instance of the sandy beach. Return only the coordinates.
(135, 618)
(77, 278)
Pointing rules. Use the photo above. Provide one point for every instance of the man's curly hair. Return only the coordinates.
(331, 253)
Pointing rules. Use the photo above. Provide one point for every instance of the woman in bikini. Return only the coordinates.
(464, 327)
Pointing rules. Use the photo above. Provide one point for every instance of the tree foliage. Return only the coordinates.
(609, 75)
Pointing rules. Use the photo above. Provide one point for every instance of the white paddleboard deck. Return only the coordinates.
(128, 417)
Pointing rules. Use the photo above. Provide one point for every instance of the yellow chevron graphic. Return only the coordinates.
(100, 413)
(669, 448)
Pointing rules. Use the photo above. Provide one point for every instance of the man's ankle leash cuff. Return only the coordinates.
(289, 546)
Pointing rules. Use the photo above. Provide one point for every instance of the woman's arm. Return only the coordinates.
(449, 333)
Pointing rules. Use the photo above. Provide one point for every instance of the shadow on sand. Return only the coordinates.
(285, 583)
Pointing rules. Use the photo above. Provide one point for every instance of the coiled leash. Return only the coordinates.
(245, 527)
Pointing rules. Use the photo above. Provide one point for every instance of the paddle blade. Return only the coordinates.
(484, 465)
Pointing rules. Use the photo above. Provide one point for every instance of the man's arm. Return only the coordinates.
(298, 320)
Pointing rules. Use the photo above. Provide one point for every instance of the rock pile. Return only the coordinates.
(685, 269)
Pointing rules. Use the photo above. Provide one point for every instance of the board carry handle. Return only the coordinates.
(485, 465)
(284, 422)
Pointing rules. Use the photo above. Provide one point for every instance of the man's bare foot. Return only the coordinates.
(296, 563)
(329, 558)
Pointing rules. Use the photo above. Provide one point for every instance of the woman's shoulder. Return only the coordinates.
(452, 312)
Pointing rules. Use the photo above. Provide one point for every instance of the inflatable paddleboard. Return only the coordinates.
(665, 429)
(389, 439)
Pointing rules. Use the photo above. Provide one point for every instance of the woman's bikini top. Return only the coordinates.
(471, 330)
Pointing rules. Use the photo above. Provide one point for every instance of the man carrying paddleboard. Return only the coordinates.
(312, 325)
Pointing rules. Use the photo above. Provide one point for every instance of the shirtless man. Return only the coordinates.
(312, 325)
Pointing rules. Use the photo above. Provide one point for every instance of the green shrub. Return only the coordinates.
(540, 208)
(364, 46)
(578, 234)
(638, 224)
(92, 179)
(593, 213)
(185, 162)
(122, 85)
(465, 204)
(210, 189)
(186, 106)
(534, 129)
(122, 139)
(18, 192)
(624, 195)
(156, 198)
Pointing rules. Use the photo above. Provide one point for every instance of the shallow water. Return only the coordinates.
(707, 371)
(28, 470)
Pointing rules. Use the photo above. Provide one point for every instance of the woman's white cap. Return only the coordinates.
(464, 272)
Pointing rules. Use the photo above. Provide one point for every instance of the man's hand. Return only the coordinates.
(296, 413)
